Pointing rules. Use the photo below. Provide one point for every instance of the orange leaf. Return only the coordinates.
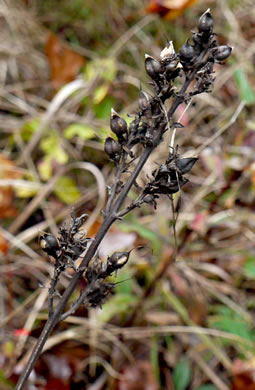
(169, 9)
(4, 245)
(64, 62)
(8, 170)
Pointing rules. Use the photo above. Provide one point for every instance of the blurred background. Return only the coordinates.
(180, 325)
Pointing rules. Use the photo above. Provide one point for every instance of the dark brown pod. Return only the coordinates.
(112, 148)
(187, 52)
(118, 124)
(144, 101)
(152, 67)
(185, 164)
(222, 53)
(49, 244)
(205, 23)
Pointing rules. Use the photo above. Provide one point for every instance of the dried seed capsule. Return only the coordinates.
(118, 125)
(118, 259)
(187, 52)
(152, 67)
(112, 148)
(96, 269)
(49, 244)
(185, 164)
(205, 23)
(222, 52)
(144, 101)
(168, 52)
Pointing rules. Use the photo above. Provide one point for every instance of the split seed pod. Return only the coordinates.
(168, 53)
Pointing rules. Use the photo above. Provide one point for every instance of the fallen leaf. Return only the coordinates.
(169, 9)
(64, 62)
(4, 245)
(243, 375)
(8, 170)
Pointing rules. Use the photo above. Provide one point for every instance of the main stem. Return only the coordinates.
(53, 320)
(110, 216)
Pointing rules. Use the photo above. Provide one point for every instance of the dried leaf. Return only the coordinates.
(243, 375)
(4, 245)
(169, 9)
(7, 171)
(64, 62)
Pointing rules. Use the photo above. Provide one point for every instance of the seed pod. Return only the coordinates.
(222, 52)
(118, 125)
(168, 52)
(176, 185)
(205, 23)
(144, 101)
(117, 260)
(187, 52)
(96, 268)
(112, 148)
(185, 164)
(49, 244)
(152, 67)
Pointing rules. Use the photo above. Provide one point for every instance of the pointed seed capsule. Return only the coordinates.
(185, 164)
(118, 124)
(152, 66)
(187, 52)
(222, 52)
(205, 23)
(144, 101)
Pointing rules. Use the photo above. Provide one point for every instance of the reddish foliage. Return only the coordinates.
(64, 62)
(169, 9)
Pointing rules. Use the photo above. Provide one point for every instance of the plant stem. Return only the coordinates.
(53, 320)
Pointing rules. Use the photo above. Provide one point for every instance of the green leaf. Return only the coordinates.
(244, 87)
(104, 68)
(230, 321)
(51, 146)
(6, 381)
(182, 375)
(125, 286)
(66, 190)
(103, 110)
(29, 129)
(82, 131)
(154, 357)
(100, 93)
(207, 387)
(118, 304)
(249, 268)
